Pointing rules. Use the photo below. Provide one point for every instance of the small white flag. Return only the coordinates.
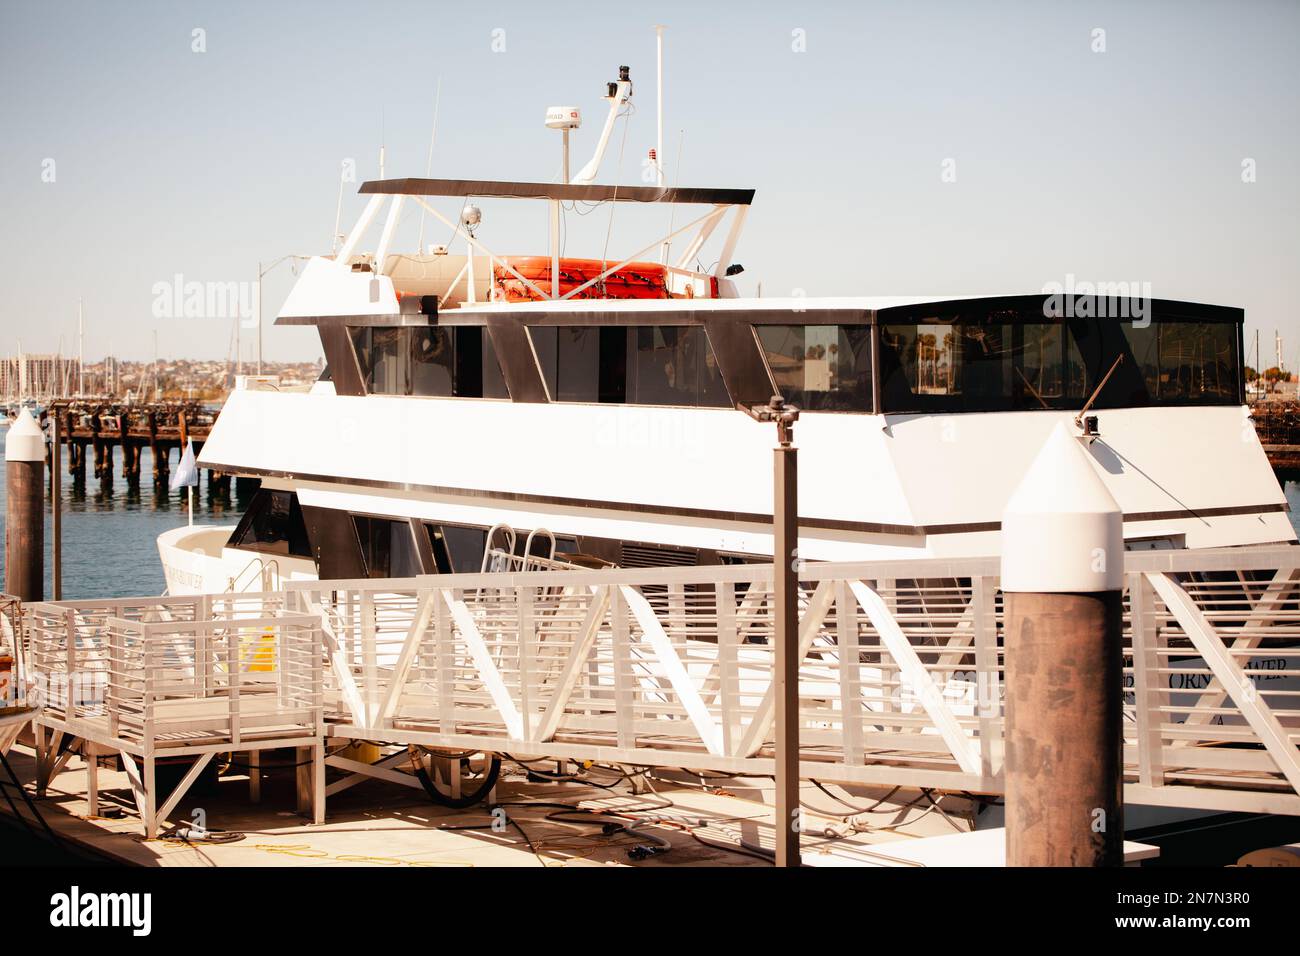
(187, 472)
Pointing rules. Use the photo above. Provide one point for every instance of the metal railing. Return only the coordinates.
(901, 676)
(256, 575)
(195, 676)
(13, 658)
(900, 680)
(154, 672)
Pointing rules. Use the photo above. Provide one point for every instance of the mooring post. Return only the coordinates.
(1062, 572)
(25, 509)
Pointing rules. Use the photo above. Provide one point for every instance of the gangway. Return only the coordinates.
(901, 673)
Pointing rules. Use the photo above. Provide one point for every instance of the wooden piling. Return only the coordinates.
(1062, 571)
(25, 509)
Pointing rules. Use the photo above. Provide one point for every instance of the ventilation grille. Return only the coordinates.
(653, 556)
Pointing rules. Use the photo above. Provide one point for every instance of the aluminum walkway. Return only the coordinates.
(901, 670)
(901, 676)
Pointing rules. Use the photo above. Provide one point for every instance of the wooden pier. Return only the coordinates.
(1278, 425)
(106, 426)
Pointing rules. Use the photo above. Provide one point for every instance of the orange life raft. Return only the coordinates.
(636, 280)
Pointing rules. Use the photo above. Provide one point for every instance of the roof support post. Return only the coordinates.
(733, 237)
(555, 245)
(367, 217)
(701, 238)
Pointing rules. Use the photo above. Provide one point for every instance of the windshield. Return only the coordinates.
(1014, 360)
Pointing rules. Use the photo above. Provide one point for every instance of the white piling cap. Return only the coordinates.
(25, 440)
(1062, 530)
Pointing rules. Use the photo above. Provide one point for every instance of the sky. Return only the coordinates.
(896, 147)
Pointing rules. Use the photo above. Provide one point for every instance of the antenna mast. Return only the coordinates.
(428, 164)
(659, 130)
(617, 95)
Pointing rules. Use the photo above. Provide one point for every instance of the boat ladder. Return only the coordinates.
(257, 575)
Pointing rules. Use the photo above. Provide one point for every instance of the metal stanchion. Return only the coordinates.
(785, 675)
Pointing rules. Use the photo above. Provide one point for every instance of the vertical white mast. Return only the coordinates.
(659, 122)
(81, 349)
(338, 215)
(428, 163)
(659, 131)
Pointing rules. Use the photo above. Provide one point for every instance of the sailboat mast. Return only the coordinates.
(81, 348)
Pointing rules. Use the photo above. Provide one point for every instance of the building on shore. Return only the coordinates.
(33, 375)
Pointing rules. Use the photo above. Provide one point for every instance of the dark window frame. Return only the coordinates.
(255, 510)
(391, 520)
(465, 382)
(452, 557)
(868, 397)
(617, 375)
(1030, 311)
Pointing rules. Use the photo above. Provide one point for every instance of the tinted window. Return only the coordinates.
(1006, 361)
(431, 362)
(465, 547)
(273, 524)
(438, 545)
(387, 547)
(673, 365)
(638, 365)
(1002, 366)
(1169, 362)
(820, 367)
(581, 363)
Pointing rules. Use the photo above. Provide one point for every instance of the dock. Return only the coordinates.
(400, 706)
(106, 427)
(671, 822)
(1277, 423)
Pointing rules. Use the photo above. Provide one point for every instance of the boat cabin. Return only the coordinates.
(988, 354)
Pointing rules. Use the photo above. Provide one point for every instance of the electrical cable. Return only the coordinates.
(858, 810)
(196, 835)
(465, 801)
(609, 229)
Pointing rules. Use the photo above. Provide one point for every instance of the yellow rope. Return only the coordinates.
(308, 852)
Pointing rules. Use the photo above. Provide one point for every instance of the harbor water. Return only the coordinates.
(110, 529)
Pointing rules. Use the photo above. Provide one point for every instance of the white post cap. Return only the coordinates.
(1062, 530)
(25, 440)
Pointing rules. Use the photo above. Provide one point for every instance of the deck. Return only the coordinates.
(387, 825)
(900, 684)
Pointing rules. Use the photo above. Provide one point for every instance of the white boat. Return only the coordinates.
(467, 391)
